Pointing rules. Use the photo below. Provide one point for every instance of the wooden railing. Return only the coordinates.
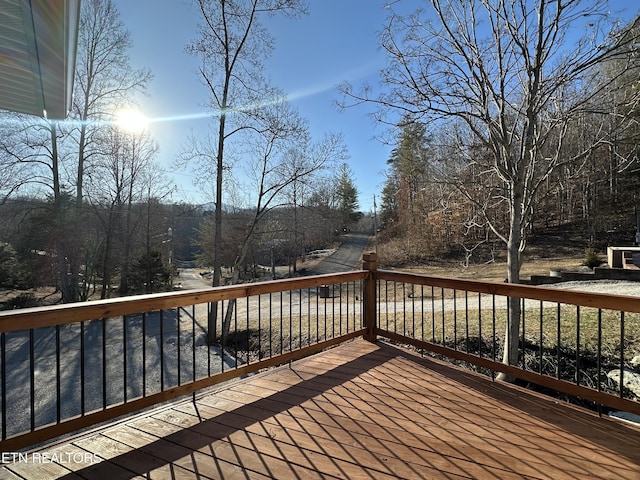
(574, 343)
(67, 367)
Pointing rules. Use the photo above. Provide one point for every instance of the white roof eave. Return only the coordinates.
(38, 42)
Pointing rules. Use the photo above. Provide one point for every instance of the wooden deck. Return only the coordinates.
(360, 410)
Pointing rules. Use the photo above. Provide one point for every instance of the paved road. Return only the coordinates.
(347, 257)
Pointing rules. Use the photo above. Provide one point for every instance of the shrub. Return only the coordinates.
(591, 258)
(23, 300)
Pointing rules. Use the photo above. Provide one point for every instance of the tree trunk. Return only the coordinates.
(512, 333)
(217, 240)
(106, 262)
(226, 324)
(126, 254)
(54, 162)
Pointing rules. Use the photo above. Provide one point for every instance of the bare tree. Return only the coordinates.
(114, 186)
(503, 72)
(57, 153)
(25, 156)
(104, 80)
(232, 43)
(283, 157)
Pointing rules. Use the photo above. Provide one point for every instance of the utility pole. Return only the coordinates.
(375, 226)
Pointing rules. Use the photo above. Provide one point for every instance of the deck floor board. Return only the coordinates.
(360, 410)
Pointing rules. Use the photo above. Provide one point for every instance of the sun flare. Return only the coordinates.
(131, 120)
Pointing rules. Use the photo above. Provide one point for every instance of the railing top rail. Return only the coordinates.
(604, 301)
(36, 317)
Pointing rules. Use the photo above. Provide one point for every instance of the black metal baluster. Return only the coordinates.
(290, 320)
(466, 321)
(507, 335)
(235, 329)
(58, 377)
(3, 345)
(395, 307)
(480, 341)
(541, 346)
(223, 335)
(404, 309)
(82, 389)
(235, 342)
(259, 322)
(340, 309)
(378, 299)
(386, 294)
(270, 329)
(104, 367)
(413, 312)
(558, 343)
(162, 350)
(333, 310)
(455, 319)
(522, 339)
(577, 344)
(179, 353)
(433, 314)
(209, 334)
(422, 313)
(193, 344)
(325, 319)
(493, 331)
(352, 285)
(308, 316)
(124, 357)
(443, 325)
(622, 354)
(599, 359)
(259, 334)
(144, 354)
(32, 379)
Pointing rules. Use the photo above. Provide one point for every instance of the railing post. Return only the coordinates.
(369, 295)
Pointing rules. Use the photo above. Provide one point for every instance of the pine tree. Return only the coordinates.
(347, 197)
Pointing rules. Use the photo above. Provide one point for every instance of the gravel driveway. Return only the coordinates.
(614, 287)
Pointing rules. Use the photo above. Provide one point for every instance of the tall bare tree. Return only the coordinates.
(114, 186)
(282, 157)
(505, 73)
(25, 156)
(232, 44)
(104, 80)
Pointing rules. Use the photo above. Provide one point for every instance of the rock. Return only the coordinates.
(635, 362)
(631, 380)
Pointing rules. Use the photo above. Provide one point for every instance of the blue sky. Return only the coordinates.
(336, 42)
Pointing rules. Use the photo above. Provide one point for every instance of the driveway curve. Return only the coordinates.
(347, 257)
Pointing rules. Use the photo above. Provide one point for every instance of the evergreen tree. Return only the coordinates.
(407, 176)
(150, 273)
(347, 197)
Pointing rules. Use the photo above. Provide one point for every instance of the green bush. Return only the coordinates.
(591, 258)
(23, 300)
(12, 270)
(149, 273)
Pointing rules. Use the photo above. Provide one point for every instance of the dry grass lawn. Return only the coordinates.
(497, 271)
